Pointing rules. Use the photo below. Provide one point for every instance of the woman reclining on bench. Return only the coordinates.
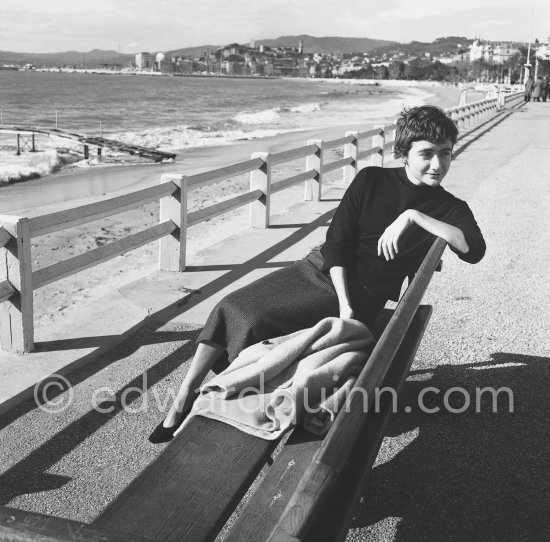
(380, 233)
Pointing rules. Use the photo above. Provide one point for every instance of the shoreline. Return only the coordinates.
(63, 298)
(201, 157)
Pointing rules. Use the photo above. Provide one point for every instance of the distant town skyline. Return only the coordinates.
(38, 26)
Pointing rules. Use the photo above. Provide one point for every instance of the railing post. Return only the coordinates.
(173, 247)
(16, 314)
(315, 161)
(350, 151)
(260, 179)
(392, 135)
(378, 141)
(453, 114)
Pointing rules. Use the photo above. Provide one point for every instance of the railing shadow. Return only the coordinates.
(98, 341)
(239, 271)
(470, 475)
(30, 474)
(477, 132)
(233, 267)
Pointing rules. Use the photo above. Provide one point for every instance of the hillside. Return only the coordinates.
(98, 57)
(441, 46)
(329, 44)
(311, 45)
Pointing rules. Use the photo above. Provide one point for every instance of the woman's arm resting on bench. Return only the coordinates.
(388, 242)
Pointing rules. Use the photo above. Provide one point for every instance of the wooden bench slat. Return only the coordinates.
(319, 477)
(21, 526)
(178, 497)
(335, 514)
(263, 511)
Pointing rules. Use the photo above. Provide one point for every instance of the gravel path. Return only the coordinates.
(439, 476)
(479, 475)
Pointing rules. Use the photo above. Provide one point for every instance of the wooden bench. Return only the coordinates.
(309, 490)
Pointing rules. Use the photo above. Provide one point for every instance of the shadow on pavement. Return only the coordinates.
(30, 474)
(475, 476)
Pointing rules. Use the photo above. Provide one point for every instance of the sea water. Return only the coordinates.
(176, 113)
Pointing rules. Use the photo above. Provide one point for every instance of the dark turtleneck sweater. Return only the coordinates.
(374, 199)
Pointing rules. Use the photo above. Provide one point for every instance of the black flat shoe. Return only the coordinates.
(166, 434)
(163, 434)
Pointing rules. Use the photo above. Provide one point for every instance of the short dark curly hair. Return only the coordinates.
(422, 123)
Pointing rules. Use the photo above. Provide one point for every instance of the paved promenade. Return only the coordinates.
(440, 476)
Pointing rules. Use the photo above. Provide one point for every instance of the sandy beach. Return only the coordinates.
(64, 297)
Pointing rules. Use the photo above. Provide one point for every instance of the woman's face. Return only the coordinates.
(428, 163)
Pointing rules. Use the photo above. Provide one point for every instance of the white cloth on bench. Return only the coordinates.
(273, 384)
(319, 421)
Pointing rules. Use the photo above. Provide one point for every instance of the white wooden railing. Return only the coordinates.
(18, 281)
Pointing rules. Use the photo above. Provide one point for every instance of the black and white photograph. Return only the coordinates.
(274, 271)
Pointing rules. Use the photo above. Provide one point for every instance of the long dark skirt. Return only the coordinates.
(287, 300)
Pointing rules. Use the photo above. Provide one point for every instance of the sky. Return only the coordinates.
(44, 26)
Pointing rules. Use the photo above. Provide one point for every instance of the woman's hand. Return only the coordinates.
(388, 244)
(346, 311)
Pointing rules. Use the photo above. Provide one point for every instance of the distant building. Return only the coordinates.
(144, 61)
(503, 52)
(163, 63)
(286, 67)
(481, 51)
(543, 50)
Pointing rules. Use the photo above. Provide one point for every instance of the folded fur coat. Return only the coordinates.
(274, 384)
